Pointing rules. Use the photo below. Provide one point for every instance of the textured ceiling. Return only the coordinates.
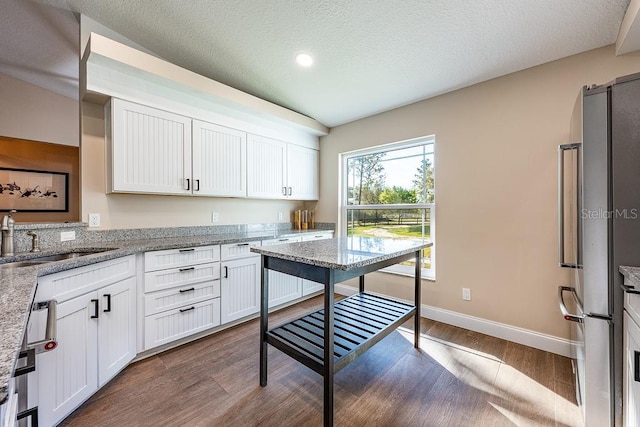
(370, 56)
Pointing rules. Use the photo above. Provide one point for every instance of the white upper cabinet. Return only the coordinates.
(302, 173)
(150, 150)
(277, 170)
(219, 160)
(266, 167)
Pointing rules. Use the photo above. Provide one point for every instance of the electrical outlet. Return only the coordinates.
(279, 216)
(215, 217)
(66, 236)
(94, 220)
(466, 294)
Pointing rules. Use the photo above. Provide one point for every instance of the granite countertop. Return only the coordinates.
(632, 277)
(18, 284)
(344, 253)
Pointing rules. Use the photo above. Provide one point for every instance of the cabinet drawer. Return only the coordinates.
(171, 325)
(171, 258)
(174, 277)
(157, 302)
(316, 236)
(237, 250)
(78, 281)
(280, 241)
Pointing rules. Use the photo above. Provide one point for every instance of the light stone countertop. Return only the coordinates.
(18, 284)
(632, 276)
(344, 253)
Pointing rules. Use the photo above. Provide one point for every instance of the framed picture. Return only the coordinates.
(33, 191)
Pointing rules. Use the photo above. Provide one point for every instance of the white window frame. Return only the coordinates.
(426, 273)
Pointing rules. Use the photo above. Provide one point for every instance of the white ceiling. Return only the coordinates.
(370, 56)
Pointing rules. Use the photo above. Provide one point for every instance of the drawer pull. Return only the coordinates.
(187, 269)
(188, 250)
(636, 365)
(95, 306)
(226, 272)
(183, 310)
(283, 240)
(108, 297)
(242, 244)
(186, 290)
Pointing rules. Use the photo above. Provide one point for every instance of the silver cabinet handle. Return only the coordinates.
(49, 342)
(290, 191)
(579, 318)
(561, 261)
(284, 191)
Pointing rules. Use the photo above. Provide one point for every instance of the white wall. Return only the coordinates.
(496, 179)
(30, 112)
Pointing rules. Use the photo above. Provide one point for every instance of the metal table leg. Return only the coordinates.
(264, 321)
(328, 348)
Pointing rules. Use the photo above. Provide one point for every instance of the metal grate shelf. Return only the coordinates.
(360, 321)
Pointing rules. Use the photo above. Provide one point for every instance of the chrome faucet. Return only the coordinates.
(7, 234)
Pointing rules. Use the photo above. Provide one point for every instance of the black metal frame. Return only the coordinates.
(331, 362)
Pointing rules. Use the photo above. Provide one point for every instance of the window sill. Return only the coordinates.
(398, 273)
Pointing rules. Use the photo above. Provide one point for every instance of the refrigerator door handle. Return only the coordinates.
(561, 261)
(579, 318)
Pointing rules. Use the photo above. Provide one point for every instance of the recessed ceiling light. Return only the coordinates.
(304, 59)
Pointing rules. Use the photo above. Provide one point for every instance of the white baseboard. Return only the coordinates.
(515, 334)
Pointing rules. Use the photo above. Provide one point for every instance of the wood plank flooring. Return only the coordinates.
(456, 378)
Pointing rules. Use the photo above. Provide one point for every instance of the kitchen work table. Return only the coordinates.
(329, 339)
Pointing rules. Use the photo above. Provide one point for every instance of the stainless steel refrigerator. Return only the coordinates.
(599, 205)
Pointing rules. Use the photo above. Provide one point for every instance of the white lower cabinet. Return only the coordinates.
(117, 316)
(96, 334)
(240, 288)
(181, 293)
(167, 326)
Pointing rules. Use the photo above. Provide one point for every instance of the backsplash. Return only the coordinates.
(49, 233)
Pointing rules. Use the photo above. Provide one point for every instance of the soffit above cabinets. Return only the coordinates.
(112, 69)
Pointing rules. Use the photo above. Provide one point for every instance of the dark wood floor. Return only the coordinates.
(456, 378)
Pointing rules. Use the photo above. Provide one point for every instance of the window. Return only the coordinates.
(389, 191)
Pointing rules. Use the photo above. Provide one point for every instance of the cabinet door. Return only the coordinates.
(150, 150)
(219, 160)
(116, 328)
(302, 173)
(68, 375)
(239, 288)
(266, 168)
(631, 402)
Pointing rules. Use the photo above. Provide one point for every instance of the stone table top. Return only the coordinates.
(344, 253)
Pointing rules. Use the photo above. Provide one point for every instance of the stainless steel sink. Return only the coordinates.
(52, 258)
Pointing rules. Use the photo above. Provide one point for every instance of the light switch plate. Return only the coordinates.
(66, 236)
(215, 217)
(94, 220)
